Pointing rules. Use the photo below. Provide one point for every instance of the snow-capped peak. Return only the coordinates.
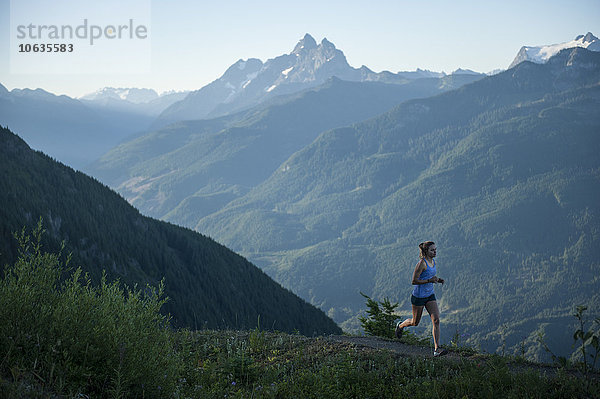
(588, 38)
(541, 54)
(132, 95)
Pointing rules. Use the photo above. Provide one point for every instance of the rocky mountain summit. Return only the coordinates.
(249, 82)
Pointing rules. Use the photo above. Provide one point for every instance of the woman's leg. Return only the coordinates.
(417, 313)
(434, 312)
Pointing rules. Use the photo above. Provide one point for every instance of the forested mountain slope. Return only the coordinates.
(208, 285)
(188, 170)
(503, 174)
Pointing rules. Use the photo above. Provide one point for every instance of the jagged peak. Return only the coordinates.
(306, 43)
(327, 43)
(587, 38)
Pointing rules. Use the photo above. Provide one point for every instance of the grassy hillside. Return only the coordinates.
(501, 173)
(265, 365)
(62, 336)
(208, 285)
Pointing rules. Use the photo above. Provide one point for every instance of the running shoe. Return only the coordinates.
(399, 330)
(439, 353)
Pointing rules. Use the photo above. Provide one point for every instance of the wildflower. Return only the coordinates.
(232, 382)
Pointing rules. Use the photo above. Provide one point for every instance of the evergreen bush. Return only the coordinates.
(72, 337)
(381, 320)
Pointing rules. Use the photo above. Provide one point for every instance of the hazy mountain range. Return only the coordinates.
(142, 101)
(132, 95)
(73, 131)
(328, 176)
(197, 167)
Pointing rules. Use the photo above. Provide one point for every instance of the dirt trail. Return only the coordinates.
(394, 346)
(425, 352)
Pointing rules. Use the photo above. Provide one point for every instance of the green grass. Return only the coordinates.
(276, 365)
(260, 364)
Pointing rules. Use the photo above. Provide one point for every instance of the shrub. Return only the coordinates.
(586, 340)
(381, 320)
(104, 341)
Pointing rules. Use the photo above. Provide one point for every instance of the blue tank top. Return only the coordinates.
(425, 290)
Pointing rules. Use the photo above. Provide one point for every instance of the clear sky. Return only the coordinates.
(192, 43)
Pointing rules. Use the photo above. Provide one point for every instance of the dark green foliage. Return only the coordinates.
(381, 322)
(259, 364)
(586, 341)
(208, 285)
(104, 341)
(381, 319)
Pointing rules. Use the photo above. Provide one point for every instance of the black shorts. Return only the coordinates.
(421, 301)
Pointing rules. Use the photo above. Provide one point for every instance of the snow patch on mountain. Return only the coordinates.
(133, 95)
(541, 54)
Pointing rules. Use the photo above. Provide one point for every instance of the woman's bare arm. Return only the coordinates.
(418, 270)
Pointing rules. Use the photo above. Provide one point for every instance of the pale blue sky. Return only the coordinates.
(193, 42)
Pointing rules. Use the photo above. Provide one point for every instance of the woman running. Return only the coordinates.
(423, 296)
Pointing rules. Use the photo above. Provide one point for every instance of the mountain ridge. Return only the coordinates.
(308, 65)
